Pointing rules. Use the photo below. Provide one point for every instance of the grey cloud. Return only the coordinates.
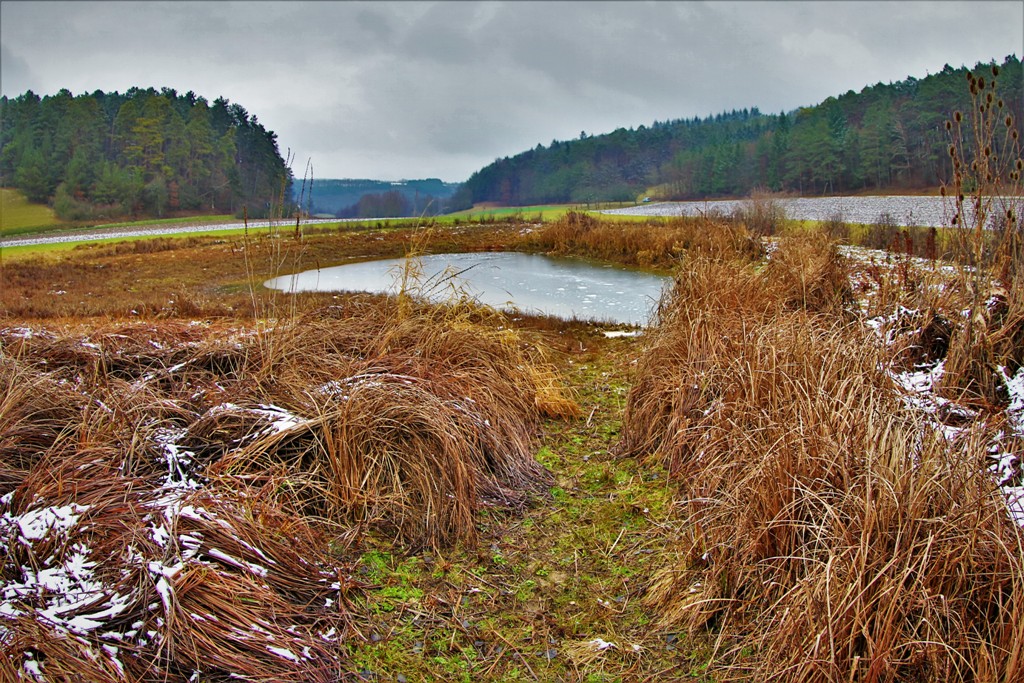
(408, 89)
(15, 75)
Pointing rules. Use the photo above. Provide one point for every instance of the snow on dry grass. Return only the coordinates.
(177, 501)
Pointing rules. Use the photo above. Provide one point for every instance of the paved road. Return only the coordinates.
(90, 235)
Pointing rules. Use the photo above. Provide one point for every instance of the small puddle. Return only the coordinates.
(508, 281)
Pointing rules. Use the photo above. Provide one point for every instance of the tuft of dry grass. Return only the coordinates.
(399, 415)
(762, 214)
(37, 415)
(808, 273)
(828, 535)
(407, 417)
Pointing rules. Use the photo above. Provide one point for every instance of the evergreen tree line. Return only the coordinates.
(885, 137)
(143, 152)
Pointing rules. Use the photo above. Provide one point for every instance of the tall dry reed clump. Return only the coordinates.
(986, 201)
(177, 498)
(828, 535)
(645, 244)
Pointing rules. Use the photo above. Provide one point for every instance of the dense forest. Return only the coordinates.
(143, 152)
(885, 137)
(359, 198)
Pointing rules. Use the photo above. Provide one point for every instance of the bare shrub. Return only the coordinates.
(762, 213)
(836, 227)
(883, 233)
(986, 200)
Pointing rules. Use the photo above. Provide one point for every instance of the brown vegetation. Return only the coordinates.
(221, 470)
(828, 534)
(655, 244)
(296, 488)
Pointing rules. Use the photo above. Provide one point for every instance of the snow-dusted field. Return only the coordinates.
(918, 211)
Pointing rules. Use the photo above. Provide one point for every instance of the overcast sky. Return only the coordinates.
(441, 89)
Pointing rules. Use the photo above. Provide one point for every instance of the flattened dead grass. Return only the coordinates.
(220, 473)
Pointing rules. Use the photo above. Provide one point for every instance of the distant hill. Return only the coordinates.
(378, 197)
(883, 138)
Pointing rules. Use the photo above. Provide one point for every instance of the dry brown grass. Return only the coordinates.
(180, 582)
(224, 470)
(808, 273)
(828, 536)
(410, 420)
(37, 415)
(988, 340)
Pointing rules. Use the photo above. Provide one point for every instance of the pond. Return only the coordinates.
(508, 281)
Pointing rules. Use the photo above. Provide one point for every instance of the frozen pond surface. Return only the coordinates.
(920, 211)
(505, 280)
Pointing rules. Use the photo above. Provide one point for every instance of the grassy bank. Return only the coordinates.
(22, 217)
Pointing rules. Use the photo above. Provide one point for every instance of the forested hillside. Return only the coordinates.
(886, 137)
(143, 152)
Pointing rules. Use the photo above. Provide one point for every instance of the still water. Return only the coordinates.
(509, 281)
